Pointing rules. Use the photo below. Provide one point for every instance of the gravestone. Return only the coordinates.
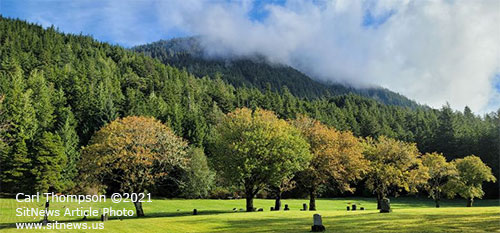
(353, 207)
(46, 217)
(348, 208)
(241, 210)
(317, 224)
(195, 212)
(362, 208)
(272, 208)
(260, 209)
(286, 207)
(104, 217)
(385, 206)
(304, 206)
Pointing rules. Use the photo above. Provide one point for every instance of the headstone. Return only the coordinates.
(353, 207)
(260, 209)
(195, 212)
(241, 210)
(286, 207)
(348, 208)
(385, 206)
(235, 210)
(362, 208)
(304, 206)
(272, 208)
(46, 217)
(104, 217)
(317, 224)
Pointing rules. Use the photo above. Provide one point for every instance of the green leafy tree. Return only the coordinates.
(395, 166)
(440, 173)
(134, 152)
(198, 177)
(255, 149)
(337, 158)
(472, 172)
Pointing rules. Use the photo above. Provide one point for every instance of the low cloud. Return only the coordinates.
(432, 51)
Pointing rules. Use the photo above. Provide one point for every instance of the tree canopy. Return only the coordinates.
(394, 166)
(472, 172)
(440, 173)
(336, 158)
(132, 153)
(256, 149)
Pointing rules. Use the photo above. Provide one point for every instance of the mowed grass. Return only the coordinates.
(175, 215)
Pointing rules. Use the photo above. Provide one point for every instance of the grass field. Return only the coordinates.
(409, 215)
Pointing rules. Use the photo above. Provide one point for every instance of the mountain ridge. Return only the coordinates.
(256, 71)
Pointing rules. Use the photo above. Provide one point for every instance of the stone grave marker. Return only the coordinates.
(385, 207)
(46, 217)
(317, 224)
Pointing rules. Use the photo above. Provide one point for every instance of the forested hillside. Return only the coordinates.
(256, 72)
(57, 89)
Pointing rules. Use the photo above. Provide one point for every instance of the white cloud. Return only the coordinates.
(432, 51)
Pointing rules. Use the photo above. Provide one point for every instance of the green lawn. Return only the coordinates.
(409, 215)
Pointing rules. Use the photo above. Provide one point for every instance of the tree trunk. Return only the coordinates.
(250, 192)
(312, 200)
(469, 202)
(437, 199)
(138, 209)
(379, 201)
(249, 198)
(277, 203)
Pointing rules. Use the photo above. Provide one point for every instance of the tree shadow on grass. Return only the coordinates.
(414, 222)
(148, 215)
(365, 222)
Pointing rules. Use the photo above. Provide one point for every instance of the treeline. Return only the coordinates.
(255, 71)
(57, 90)
(253, 151)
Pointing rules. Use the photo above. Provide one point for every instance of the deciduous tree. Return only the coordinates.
(198, 178)
(472, 172)
(337, 157)
(133, 152)
(394, 166)
(255, 149)
(440, 173)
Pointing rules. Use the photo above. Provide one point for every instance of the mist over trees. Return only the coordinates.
(57, 90)
(256, 71)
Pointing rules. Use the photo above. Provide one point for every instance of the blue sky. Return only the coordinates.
(126, 26)
(109, 21)
(430, 51)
